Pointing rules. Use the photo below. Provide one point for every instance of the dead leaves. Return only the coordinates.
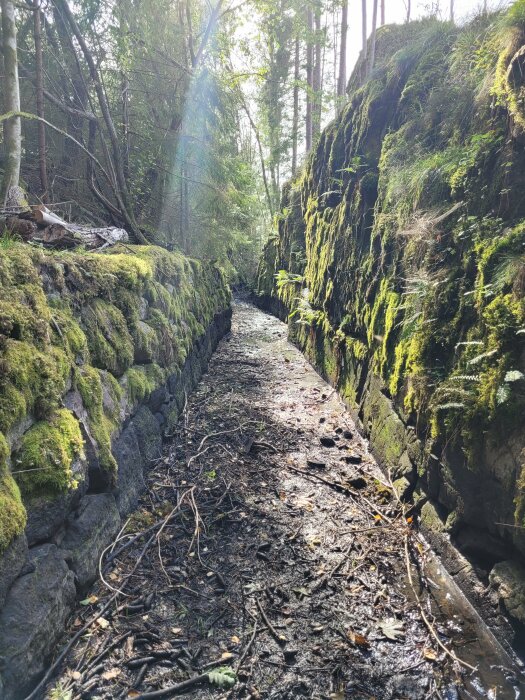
(102, 623)
(392, 629)
(358, 639)
(91, 600)
(111, 674)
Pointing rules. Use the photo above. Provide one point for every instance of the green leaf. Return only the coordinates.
(223, 677)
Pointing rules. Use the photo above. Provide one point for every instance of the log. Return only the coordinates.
(60, 235)
(41, 225)
(42, 215)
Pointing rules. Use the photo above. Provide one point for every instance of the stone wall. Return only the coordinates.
(163, 317)
(399, 262)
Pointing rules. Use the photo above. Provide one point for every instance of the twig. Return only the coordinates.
(248, 646)
(279, 638)
(175, 689)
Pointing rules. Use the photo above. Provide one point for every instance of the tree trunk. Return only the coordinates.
(316, 86)
(372, 57)
(452, 11)
(295, 118)
(309, 76)
(341, 81)
(125, 122)
(383, 13)
(39, 82)
(408, 9)
(124, 200)
(12, 127)
(364, 32)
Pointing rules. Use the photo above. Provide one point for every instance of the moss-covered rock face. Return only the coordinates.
(112, 327)
(400, 256)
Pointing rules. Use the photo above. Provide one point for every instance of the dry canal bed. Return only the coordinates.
(270, 557)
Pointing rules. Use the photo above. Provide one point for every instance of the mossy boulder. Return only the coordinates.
(84, 339)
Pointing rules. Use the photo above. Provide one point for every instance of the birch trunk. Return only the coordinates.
(13, 126)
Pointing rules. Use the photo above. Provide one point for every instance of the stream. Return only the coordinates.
(270, 543)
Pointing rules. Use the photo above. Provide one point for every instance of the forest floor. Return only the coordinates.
(269, 557)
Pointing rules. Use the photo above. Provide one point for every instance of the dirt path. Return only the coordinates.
(297, 585)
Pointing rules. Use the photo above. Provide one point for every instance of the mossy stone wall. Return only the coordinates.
(111, 326)
(400, 262)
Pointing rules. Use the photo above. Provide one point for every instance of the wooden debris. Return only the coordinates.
(40, 225)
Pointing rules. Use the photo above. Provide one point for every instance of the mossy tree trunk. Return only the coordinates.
(317, 87)
(11, 90)
(372, 57)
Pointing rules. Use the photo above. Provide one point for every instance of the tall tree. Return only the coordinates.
(309, 76)
(316, 78)
(383, 13)
(372, 57)
(341, 80)
(9, 190)
(121, 188)
(39, 84)
(295, 116)
(364, 31)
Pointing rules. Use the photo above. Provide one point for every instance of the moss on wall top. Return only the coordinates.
(94, 322)
(403, 239)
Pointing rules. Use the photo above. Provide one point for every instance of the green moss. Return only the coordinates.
(12, 511)
(89, 384)
(109, 340)
(47, 451)
(31, 381)
(140, 381)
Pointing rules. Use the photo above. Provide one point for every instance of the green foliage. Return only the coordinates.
(12, 512)
(222, 677)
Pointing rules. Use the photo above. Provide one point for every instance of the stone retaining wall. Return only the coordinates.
(47, 568)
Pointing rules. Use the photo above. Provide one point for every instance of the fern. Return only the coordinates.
(284, 278)
(449, 405)
(222, 677)
(466, 378)
(484, 355)
(468, 343)
(59, 692)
